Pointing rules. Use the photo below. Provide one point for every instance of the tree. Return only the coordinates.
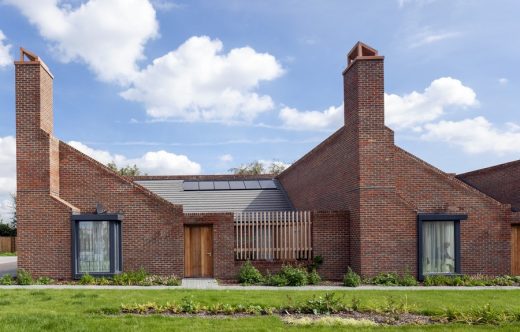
(128, 170)
(256, 168)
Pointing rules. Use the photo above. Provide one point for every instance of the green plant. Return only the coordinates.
(44, 281)
(386, 279)
(131, 278)
(276, 280)
(317, 261)
(295, 276)
(188, 305)
(249, 275)
(23, 277)
(314, 278)
(87, 279)
(407, 279)
(6, 280)
(327, 304)
(351, 278)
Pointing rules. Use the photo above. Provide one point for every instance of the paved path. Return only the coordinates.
(8, 265)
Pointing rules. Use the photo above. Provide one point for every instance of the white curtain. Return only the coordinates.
(94, 243)
(438, 247)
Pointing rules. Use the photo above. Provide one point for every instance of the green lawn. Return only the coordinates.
(7, 254)
(80, 310)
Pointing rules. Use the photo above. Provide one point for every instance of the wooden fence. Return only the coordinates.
(7, 244)
(276, 235)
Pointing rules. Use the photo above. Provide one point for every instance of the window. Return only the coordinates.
(96, 248)
(439, 244)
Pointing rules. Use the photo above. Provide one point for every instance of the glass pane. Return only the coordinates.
(438, 247)
(237, 185)
(206, 185)
(252, 184)
(221, 185)
(117, 230)
(267, 184)
(94, 247)
(190, 185)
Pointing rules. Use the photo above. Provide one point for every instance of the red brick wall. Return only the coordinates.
(501, 182)
(152, 228)
(359, 169)
(485, 236)
(43, 243)
(330, 240)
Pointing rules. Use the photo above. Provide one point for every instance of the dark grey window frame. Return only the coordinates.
(115, 220)
(438, 217)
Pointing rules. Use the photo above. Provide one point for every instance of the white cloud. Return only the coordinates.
(196, 82)
(7, 174)
(401, 112)
(503, 81)
(475, 135)
(108, 35)
(153, 163)
(416, 108)
(427, 35)
(226, 158)
(165, 5)
(5, 52)
(292, 118)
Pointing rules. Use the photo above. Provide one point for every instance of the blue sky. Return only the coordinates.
(202, 86)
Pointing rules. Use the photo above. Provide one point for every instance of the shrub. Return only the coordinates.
(295, 276)
(386, 279)
(314, 278)
(351, 278)
(317, 261)
(249, 275)
(87, 279)
(24, 278)
(131, 278)
(276, 280)
(44, 281)
(320, 305)
(6, 280)
(408, 280)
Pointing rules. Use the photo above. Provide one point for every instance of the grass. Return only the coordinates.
(81, 310)
(7, 254)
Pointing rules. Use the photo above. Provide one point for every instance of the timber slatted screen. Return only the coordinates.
(273, 235)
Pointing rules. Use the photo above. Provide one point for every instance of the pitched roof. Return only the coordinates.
(229, 200)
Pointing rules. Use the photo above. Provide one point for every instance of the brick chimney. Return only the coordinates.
(37, 151)
(371, 143)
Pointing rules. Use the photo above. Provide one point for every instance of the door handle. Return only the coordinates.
(209, 254)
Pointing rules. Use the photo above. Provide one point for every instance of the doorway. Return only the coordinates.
(198, 251)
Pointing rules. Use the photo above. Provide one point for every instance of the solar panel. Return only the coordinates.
(206, 185)
(190, 185)
(252, 184)
(267, 184)
(237, 185)
(221, 185)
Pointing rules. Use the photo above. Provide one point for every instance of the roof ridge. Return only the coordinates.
(489, 168)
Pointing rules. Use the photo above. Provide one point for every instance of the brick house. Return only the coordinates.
(356, 199)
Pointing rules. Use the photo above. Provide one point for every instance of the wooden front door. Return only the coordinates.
(515, 250)
(198, 251)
